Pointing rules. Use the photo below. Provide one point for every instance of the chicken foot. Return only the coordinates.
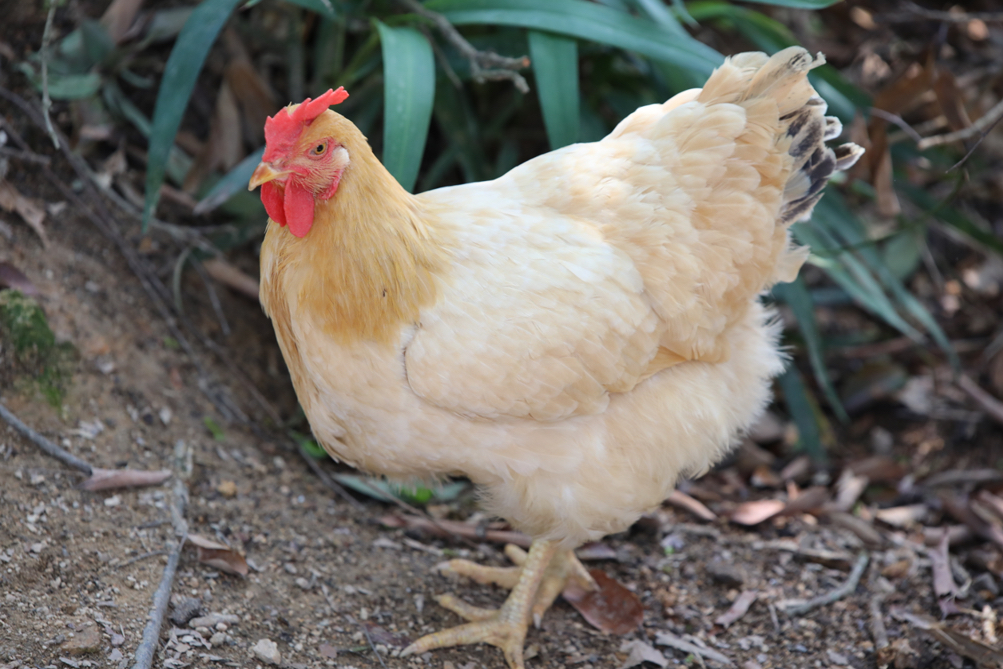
(535, 583)
(564, 570)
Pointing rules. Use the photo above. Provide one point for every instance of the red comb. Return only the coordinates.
(283, 129)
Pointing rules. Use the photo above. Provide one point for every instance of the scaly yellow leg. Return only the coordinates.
(504, 628)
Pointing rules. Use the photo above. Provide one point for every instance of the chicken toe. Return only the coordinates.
(505, 628)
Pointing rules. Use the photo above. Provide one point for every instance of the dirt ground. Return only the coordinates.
(78, 569)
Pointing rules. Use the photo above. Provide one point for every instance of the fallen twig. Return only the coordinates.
(44, 57)
(914, 12)
(878, 631)
(43, 443)
(483, 64)
(738, 608)
(835, 595)
(151, 634)
(982, 126)
(331, 484)
(992, 406)
(448, 528)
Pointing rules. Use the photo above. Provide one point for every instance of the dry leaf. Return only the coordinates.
(224, 148)
(232, 277)
(610, 608)
(119, 16)
(219, 556)
(680, 499)
(902, 516)
(738, 608)
(639, 653)
(755, 512)
(106, 479)
(983, 655)
(12, 277)
(32, 212)
(673, 641)
(849, 488)
(380, 636)
(809, 500)
(944, 586)
(951, 100)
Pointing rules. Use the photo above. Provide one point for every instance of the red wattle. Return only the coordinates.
(299, 204)
(271, 197)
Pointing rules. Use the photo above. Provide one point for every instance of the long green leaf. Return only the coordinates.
(233, 182)
(800, 405)
(797, 297)
(409, 85)
(798, 4)
(555, 64)
(183, 67)
(587, 21)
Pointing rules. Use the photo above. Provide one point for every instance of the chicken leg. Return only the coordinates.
(541, 575)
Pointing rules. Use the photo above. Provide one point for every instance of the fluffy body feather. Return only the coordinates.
(574, 335)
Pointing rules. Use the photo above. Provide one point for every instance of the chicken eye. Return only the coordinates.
(319, 150)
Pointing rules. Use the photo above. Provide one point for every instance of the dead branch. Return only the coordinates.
(914, 12)
(151, 634)
(992, 406)
(331, 484)
(982, 126)
(43, 443)
(484, 65)
(453, 528)
(835, 595)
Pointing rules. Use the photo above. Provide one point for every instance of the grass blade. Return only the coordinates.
(586, 21)
(798, 4)
(183, 67)
(798, 298)
(555, 64)
(233, 182)
(800, 405)
(409, 84)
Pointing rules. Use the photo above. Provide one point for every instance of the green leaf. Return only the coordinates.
(587, 21)
(323, 7)
(409, 91)
(797, 297)
(555, 64)
(214, 429)
(798, 4)
(183, 67)
(661, 15)
(64, 86)
(234, 181)
(799, 403)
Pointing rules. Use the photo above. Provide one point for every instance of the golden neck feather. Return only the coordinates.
(366, 267)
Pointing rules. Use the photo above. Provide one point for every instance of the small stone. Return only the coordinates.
(213, 619)
(289, 567)
(217, 639)
(87, 640)
(115, 655)
(302, 583)
(227, 488)
(114, 500)
(267, 651)
(726, 573)
(186, 610)
(837, 658)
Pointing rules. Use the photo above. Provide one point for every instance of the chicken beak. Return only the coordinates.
(264, 173)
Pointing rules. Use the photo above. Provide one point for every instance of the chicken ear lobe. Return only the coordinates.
(299, 203)
(271, 197)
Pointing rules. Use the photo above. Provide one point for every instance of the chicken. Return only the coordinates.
(573, 336)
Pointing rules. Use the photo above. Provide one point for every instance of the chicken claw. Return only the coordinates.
(505, 628)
